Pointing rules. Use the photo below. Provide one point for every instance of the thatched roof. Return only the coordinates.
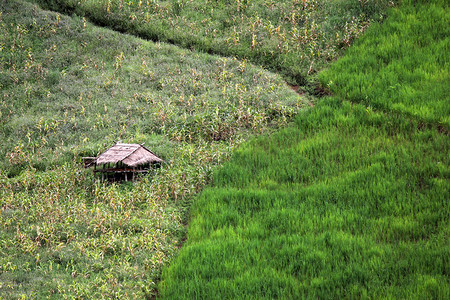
(131, 155)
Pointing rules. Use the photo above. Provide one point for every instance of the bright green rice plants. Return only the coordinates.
(346, 202)
(400, 66)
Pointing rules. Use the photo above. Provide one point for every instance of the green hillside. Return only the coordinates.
(346, 203)
(401, 66)
(338, 197)
(69, 89)
(351, 201)
(63, 79)
(293, 37)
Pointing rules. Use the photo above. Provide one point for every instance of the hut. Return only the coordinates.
(124, 161)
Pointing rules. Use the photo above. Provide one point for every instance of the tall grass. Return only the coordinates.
(66, 83)
(402, 65)
(69, 89)
(346, 203)
(295, 38)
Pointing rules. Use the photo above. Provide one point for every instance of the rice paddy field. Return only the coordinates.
(265, 193)
(346, 203)
(350, 201)
(401, 66)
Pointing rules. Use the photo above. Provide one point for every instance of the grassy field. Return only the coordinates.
(401, 66)
(65, 79)
(295, 38)
(70, 89)
(346, 203)
(351, 201)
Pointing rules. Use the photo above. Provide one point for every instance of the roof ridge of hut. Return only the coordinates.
(133, 150)
(130, 154)
(129, 159)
